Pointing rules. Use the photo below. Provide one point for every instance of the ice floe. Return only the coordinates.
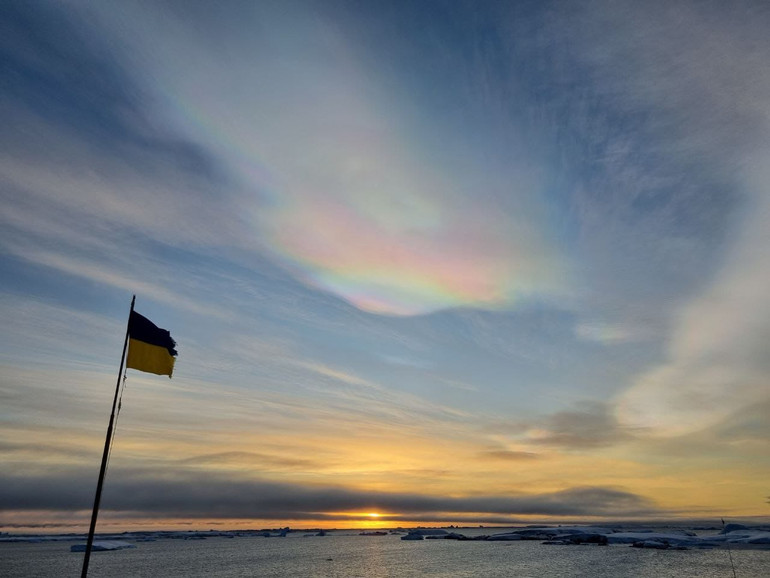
(734, 534)
(103, 546)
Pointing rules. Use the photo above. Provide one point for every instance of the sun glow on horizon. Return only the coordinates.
(367, 520)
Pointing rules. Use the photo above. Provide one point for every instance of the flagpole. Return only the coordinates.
(106, 452)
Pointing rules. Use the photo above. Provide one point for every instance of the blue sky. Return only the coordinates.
(441, 261)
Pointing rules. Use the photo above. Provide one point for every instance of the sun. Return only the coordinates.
(372, 520)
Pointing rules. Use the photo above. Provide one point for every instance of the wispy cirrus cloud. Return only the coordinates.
(712, 98)
(507, 455)
(717, 362)
(588, 425)
(334, 184)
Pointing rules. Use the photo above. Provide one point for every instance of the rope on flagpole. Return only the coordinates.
(729, 552)
(117, 417)
(107, 448)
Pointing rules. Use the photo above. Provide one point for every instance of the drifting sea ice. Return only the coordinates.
(102, 546)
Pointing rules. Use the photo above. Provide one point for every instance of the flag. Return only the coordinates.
(150, 348)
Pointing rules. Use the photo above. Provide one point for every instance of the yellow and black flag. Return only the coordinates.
(150, 348)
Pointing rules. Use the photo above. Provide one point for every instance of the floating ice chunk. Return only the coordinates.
(665, 538)
(102, 546)
(506, 536)
(759, 538)
(650, 544)
(747, 536)
(577, 534)
(732, 527)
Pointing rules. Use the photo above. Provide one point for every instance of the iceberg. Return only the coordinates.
(572, 534)
(674, 539)
(506, 536)
(743, 536)
(654, 544)
(102, 546)
(661, 537)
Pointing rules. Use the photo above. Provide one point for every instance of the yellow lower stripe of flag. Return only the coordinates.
(149, 358)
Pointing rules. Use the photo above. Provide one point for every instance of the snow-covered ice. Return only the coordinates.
(102, 546)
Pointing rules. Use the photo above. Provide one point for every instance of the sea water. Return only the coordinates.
(344, 556)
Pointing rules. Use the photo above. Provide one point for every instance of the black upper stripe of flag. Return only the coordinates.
(142, 329)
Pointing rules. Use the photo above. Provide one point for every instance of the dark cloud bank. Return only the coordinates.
(156, 496)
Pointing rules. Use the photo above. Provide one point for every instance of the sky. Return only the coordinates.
(425, 262)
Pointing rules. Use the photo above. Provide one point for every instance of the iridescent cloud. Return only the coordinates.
(446, 256)
(347, 194)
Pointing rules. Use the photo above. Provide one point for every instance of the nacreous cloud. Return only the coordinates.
(340, 184)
